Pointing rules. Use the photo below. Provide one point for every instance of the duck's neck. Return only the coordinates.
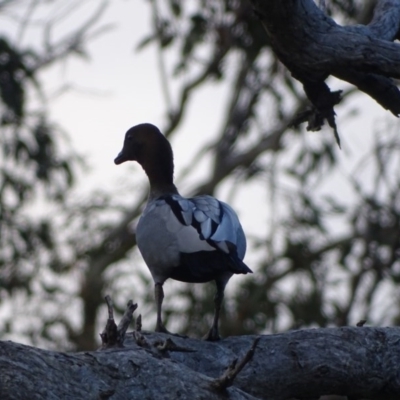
(158, 164)
(161, 181)
(158, 190)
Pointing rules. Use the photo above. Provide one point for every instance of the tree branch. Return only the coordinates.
(313, 47)
(360, 362)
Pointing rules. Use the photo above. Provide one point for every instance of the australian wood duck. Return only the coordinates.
(195, 239)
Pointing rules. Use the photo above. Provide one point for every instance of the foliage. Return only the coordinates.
(325, 257)
(37, 167)
(319, 244)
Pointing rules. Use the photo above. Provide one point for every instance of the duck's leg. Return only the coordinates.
(213, 333)
(159, 296)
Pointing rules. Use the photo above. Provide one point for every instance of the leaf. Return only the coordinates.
(145, 42)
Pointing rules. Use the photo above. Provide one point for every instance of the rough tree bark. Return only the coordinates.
(362, 363)
(313, 47)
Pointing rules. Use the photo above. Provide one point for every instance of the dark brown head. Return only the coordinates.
(145, 144)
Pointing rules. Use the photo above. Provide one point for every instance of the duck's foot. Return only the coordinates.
(212, 335)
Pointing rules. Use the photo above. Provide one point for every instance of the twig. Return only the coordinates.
(25, 20)
(110, 307)
(227, 378)
(109, 336)
(137, 336)
(113, 335)
(127, 317)
(138, 325)
(176, 116)
(140, 339)
(72, 42)
(160, 58)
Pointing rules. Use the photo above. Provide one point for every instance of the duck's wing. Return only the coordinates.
(214, 221)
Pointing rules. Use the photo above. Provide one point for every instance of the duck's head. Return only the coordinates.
(145, 144)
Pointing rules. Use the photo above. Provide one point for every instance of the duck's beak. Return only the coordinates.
(120, 158)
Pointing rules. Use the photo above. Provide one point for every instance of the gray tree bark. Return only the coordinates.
(362, 363)
(313, 47)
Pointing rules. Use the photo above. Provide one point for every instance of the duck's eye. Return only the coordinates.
(129, 138)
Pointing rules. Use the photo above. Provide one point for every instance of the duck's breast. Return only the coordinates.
(161, 239)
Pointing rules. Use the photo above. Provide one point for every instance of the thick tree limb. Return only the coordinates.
(360, 362)
(313, 47)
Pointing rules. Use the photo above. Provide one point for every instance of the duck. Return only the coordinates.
(195, 240)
